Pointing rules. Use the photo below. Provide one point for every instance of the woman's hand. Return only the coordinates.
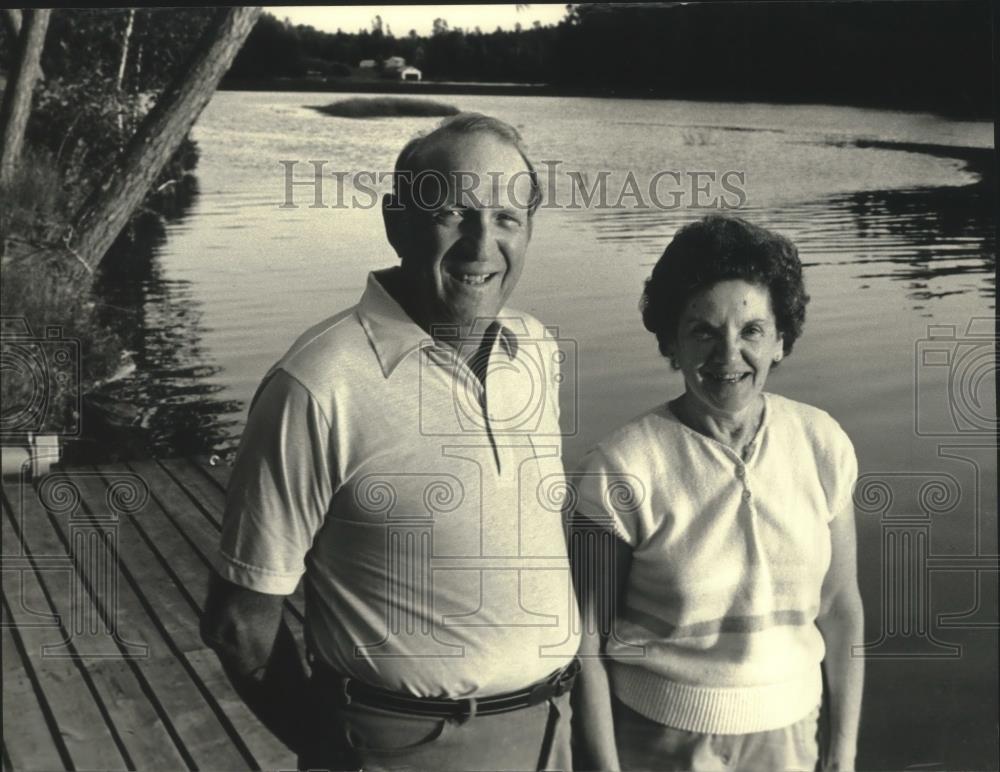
(841, 622)
(600, 570)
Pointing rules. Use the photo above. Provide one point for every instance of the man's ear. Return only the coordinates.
(393, 216)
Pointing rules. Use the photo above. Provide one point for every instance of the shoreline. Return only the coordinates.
(379, 86)
(981, 161)
(437, 88)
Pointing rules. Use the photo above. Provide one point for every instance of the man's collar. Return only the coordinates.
(394, 335)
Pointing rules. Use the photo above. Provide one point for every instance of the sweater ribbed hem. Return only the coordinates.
(716, 710)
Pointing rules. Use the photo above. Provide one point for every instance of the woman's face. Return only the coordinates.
(727, 342)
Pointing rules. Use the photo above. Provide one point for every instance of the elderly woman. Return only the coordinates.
(734, 574)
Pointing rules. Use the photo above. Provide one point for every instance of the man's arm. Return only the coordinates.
(841, 622)
(276, 502)
(260, 656)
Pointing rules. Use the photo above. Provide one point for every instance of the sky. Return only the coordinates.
(402, 18)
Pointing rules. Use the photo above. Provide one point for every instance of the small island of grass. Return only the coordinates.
(386, 107)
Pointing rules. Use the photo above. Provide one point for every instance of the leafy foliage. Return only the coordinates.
(44, 304)
(84, 43)
(929, 55)
(101, 78)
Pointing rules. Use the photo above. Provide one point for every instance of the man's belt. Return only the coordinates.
(354, 690)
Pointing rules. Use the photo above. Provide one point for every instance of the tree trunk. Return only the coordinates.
(17, 95)
(126, 182)
(120, 80)
(126, 39)
(12, 21)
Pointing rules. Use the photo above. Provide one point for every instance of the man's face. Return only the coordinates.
(463, 247)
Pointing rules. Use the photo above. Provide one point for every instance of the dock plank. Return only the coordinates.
(155, 606)
(77, 709)
(104, 706)
(27, 740)
(179, 534)
(119, 681)
(181, 560)
(210, 496)
(220, 472)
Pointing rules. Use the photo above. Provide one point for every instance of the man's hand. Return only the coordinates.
(261, 658)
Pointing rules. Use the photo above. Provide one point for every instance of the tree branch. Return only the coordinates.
(17, 95)
(107, 210)
(12, 21)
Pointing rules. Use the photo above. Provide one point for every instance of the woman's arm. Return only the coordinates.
(841, 622)
(600, 570)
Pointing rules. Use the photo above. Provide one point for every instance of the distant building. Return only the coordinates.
(367, 64)
(410, 73)
(394, 63)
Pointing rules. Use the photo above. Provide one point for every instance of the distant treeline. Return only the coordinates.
(933, 55)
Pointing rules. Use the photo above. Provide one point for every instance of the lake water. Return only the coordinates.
(897, 233)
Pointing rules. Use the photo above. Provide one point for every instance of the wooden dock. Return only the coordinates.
(105, 573)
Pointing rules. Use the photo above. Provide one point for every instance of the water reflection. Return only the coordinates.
(934, 233)
(924, 237)
(934, 242)
(166, 403)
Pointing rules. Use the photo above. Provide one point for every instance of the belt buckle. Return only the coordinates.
(468, 707)
(564, 681)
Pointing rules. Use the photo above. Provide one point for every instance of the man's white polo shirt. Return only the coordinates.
(423, 510)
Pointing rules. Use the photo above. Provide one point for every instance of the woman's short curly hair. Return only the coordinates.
(715, 249)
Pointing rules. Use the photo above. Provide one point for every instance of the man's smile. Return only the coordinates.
(473, 279)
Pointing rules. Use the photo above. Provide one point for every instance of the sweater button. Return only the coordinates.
(740, 472)
(746, 495)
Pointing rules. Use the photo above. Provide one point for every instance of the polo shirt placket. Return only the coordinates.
(482, 391)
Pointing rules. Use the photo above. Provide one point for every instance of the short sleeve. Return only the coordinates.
(607, 494)
(279, 491)
(843, 472)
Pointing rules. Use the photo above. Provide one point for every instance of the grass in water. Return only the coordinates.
(385, 107)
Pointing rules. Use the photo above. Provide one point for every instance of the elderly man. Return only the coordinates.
(398, 458)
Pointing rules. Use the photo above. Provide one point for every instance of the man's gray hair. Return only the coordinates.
(409, 161)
